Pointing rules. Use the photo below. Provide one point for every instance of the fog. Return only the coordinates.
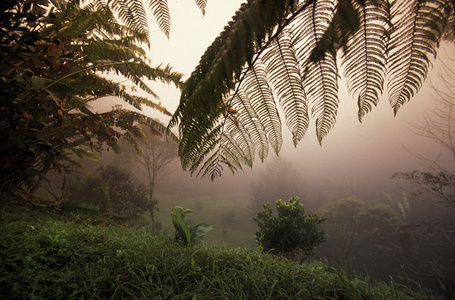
(356, 159)
(366, 153)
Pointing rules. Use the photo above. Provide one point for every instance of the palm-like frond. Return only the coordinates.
(262, 101)
(364, 60)
(248, 117)
(202, 4)
(278, 59)
(133, 14)
(161, 14)
(416, 34)
(283, 69)
(319, 76)
(102, 44)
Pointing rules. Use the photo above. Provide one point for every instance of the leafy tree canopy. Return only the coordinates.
(52, 55)
(278, 61)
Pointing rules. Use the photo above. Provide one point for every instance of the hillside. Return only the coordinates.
(50, 255)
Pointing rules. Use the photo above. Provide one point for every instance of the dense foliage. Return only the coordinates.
(376, 240)
(52, 57)
(48, 256)
(290, 233)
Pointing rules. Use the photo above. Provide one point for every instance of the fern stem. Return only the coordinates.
(84, 70)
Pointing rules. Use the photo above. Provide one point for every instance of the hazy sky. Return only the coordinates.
(368, 151)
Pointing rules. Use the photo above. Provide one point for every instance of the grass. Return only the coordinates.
(45, 255)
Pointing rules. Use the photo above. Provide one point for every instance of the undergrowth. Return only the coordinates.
(46, 255)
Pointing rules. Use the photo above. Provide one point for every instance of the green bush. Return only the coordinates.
(291, 233)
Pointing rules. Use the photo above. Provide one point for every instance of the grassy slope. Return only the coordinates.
(48, 256)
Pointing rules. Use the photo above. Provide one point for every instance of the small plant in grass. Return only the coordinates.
(291, 233)
(183, 232)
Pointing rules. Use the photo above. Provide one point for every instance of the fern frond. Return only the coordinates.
(289, 50)
(132, 13)
(238, 142)
(161, 14)
(193, 157)
(232, 153)
(284, 75)
(262, 101)
(202, 4)
(321, 84)
(364, 60)
(249, 118)
(449, 22)
(414, 38)
(319, 76)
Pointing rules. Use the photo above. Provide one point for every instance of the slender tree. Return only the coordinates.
(153, 160)
(438, 126)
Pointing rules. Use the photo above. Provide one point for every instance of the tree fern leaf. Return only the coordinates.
(237, 139)
(415, 37)
(231, 153)
(249, 118)
(212, 167)
(364, 59)
(132, 13)
(309, 27)
(284, 76)
(321, 85)
(289, 50)
(191, 157)
(320, 76)
(202, 4)
(161, 14)
(262, 101)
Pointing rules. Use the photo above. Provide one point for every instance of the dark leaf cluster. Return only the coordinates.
(52, 58)
(290, 233)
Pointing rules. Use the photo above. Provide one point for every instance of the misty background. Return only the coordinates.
(356, 160)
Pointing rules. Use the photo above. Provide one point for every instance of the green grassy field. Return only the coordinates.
(61, 255)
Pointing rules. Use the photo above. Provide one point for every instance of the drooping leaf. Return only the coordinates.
(284, 74)
(199, 230)
(161, 14)
(364, 61)
(279, 59)
(202, 4)
(417, 32)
